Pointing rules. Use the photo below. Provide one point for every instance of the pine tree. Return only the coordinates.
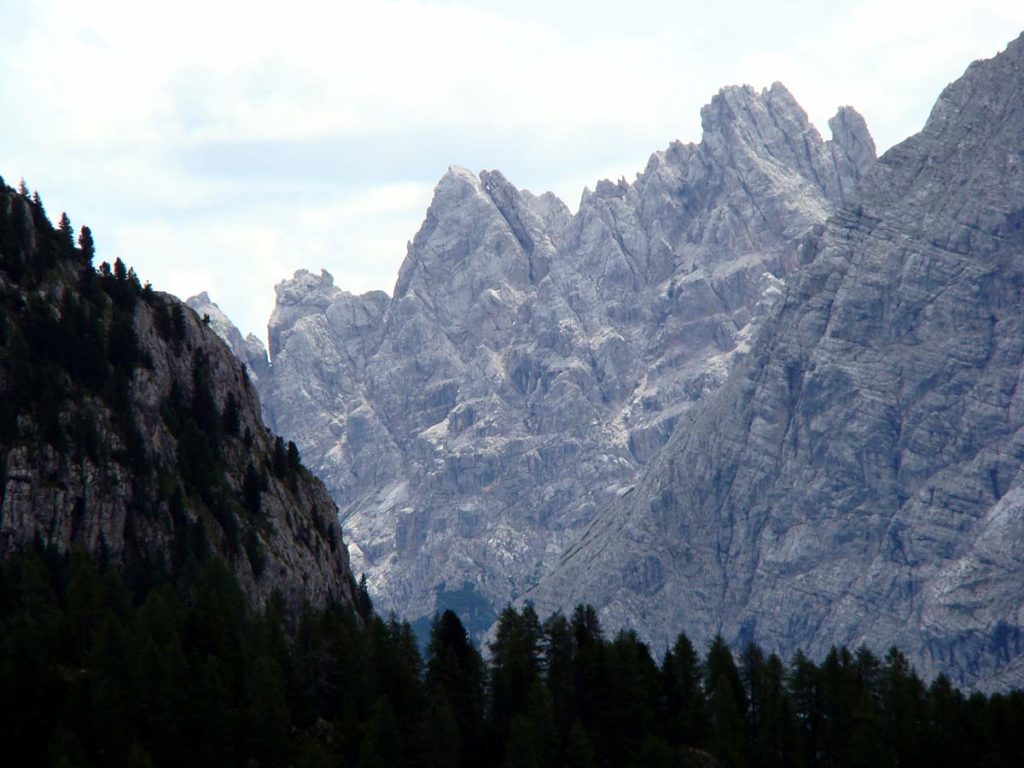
(439, 737)
(204, 409)
(558, 669)
(804, 691)
(251, 490)
(752, 676)
(515, 664)
(728, 704)
(684, 695)
(178, 325)
(231, 416)
(902, 698)
(266, 717)
(776, 738)
(633, 689)
(579, 752)
(66, 234)
(454, 673)
(85, 242)
(364, 604)
(279, 459)
(590, 670)
(521, 747)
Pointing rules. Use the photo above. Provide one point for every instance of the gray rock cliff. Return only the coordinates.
(858, 478)
(250, 350)
(530, 362)
(130, 430)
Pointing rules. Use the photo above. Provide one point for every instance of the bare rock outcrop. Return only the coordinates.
(858, 479)
(530, 362)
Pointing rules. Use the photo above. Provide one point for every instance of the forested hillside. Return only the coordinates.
(92, 675)
(129, 430)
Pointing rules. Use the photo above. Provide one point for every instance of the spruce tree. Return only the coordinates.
(728, 704)
(88, 247)
(231, 416)
(514, 665)
(455, 675)
(66, 235)
(682, 674)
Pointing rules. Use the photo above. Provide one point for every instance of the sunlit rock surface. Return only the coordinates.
(530, 362)
(858, 479)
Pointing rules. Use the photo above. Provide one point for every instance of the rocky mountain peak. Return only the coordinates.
(978, 90)
(973, 135)
(478, 226)
(305, 292)
(762, 134)
(249, 350)
(857, 479)
(530, 362)
(306, 289)
(850, 134)
(480, 253)
(770, 118)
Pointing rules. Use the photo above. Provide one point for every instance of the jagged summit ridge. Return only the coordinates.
(529, 362)
(858, 479)
(481, 249)
(738, 117)
(850, 135)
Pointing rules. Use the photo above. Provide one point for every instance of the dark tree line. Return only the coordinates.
(95, 673)
(66, 330)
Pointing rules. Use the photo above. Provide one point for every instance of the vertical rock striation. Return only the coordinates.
(858, 479)
(530, 362)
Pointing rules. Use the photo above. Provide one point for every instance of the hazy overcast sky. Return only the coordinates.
(221, 146)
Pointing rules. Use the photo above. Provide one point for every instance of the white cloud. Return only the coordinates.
(221, 145)
(239, 256)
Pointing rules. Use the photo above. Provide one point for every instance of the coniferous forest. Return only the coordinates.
(172, 666)
(93, 673)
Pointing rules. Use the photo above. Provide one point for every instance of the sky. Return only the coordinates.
(221, 146)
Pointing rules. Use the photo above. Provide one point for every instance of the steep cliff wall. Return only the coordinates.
(858, 480)
(529, 362)
(129, 429)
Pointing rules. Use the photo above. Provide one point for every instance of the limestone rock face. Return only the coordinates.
(858, 478)
(163, 459)
(530, 362)
(250, 350)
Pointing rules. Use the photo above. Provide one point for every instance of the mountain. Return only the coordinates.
(128, 429)
(531, 362)
(250, 350)
(858, 479)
